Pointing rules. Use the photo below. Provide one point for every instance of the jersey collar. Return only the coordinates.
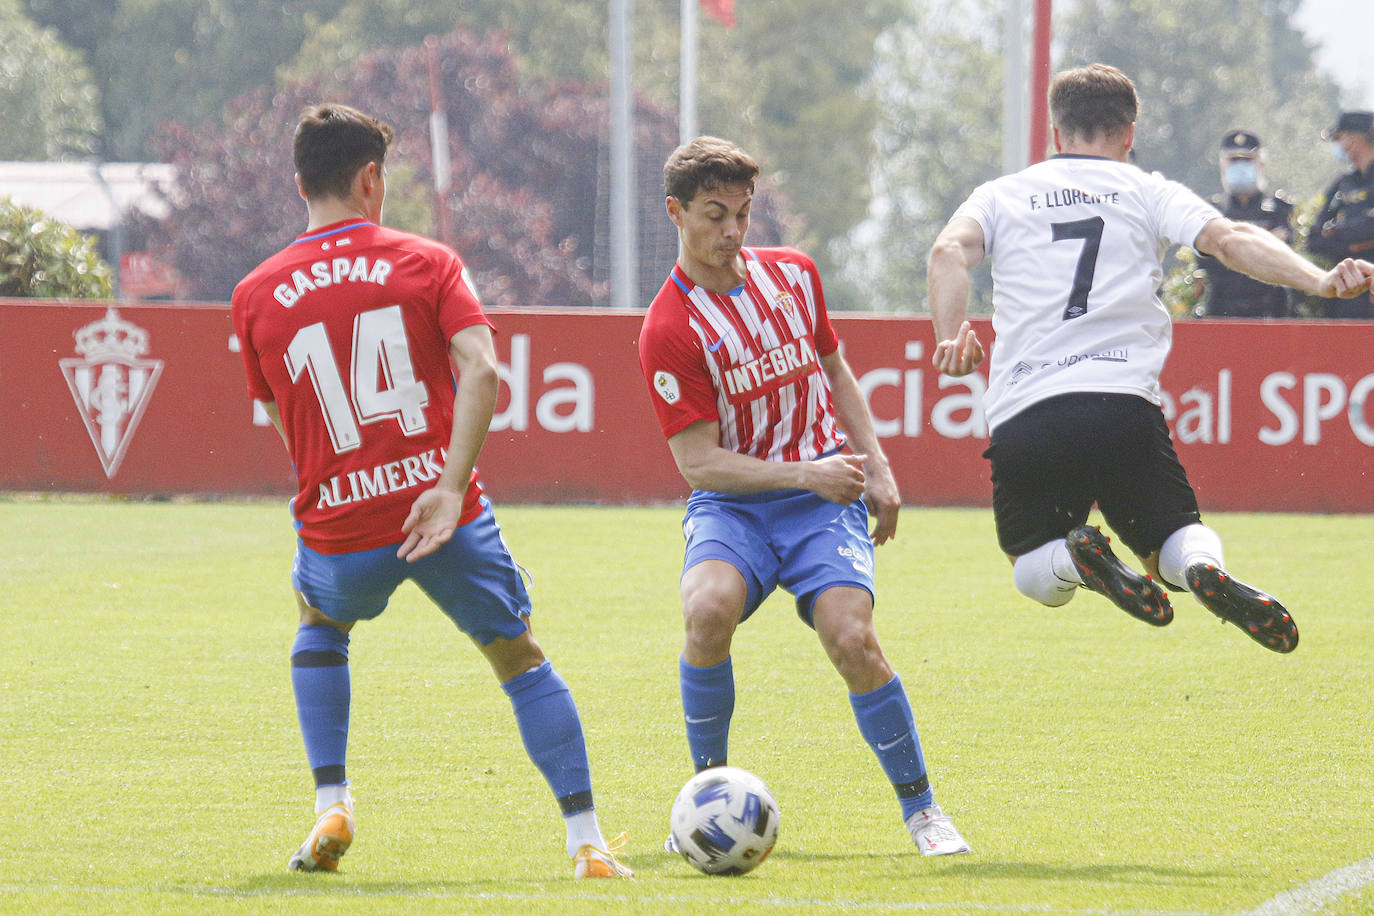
(685, 283)
(333, 229)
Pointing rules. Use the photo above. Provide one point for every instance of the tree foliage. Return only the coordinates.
(788, 82)
(938, 136)
(870, 120)
(48, 102)
(1230, 64)
(554, 41)
(42, 258)
(527, 160)
(163, 60)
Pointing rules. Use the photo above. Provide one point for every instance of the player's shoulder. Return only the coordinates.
(412, 243)
(782, 254)
(667, 310)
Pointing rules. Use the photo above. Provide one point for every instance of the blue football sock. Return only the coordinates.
(319, 677)
(885, 721)
(552, 732)
(708, 702)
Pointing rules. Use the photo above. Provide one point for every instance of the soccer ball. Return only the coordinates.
(724, 821)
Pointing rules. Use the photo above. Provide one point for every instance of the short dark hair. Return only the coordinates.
(1091, 99)
(332, 143)
(707, 162)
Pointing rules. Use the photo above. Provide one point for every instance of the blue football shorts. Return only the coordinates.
(472, 578)
(791, 538)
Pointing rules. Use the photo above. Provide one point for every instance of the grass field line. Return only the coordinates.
(1318, 894)
(930, 906)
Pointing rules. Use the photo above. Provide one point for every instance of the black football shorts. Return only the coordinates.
(1052, 461)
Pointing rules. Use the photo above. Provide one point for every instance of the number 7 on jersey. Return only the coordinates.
(1090, 231)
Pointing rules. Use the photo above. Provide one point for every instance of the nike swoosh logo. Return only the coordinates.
(715, 346)
(693, 720)
(888, 745)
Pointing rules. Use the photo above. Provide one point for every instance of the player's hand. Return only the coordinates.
(837, 478)
(432, 520)
(880, 495)
(1347, 279)
(961, 355)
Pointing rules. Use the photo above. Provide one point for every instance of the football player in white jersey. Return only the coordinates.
(1073, 393)
(760, 411)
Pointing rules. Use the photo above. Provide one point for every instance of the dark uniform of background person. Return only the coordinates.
(1345, 226)
(1232, 294)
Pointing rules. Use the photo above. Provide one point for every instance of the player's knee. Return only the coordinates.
(712, 606)
(708, 627)
(852, 644)
(856, 648)
(1034, 577)
(860, 661)
(311, 616)
(509, 658)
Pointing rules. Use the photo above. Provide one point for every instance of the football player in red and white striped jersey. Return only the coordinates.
(768, 425)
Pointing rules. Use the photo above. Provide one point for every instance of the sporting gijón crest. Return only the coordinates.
(112, 383)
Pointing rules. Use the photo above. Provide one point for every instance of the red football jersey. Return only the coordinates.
(347, 330)
(748, 359)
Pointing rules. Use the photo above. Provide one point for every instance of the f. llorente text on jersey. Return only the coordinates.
(1067, 197)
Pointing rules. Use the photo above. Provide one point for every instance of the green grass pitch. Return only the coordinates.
(150, 761)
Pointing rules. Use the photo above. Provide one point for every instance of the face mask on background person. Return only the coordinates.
(1241, 175)
(1339, 152)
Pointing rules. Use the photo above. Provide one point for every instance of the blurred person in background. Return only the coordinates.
(1230, 293)
(1345, 226)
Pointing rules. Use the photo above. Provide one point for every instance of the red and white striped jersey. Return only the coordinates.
(748, 359)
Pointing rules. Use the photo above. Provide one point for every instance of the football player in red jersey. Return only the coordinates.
(369, 350)
(759, 408)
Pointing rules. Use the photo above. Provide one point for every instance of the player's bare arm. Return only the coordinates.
(1257, 253)
(707, 466)
(855, 418)
(958, 249)
(435, 514)
(274, 414)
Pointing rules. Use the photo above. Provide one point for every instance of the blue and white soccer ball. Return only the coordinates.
(724, 821)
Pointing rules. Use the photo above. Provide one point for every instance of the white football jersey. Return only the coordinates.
(1076, 244)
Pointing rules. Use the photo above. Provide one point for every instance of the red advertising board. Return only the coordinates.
(136, 400)
(150, 399)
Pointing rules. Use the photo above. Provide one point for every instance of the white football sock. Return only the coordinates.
(328, 796)
(1186, 546)
(583, 829)
(1047, 574)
